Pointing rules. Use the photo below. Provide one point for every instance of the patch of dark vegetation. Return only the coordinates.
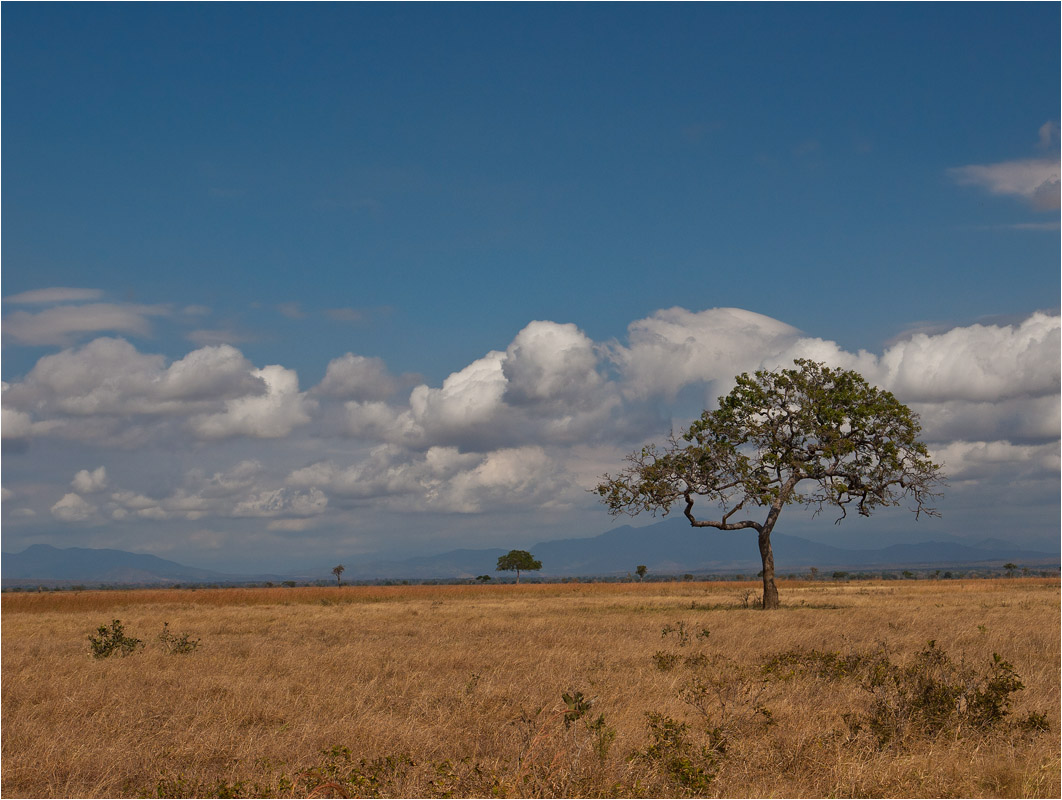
(931, 695)
(113, 641)
(177, 643)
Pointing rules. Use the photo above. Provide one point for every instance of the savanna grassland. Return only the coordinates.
(895, 689)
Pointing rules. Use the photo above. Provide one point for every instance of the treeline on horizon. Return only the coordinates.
(811, 575)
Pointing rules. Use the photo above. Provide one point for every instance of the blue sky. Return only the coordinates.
(256, 258)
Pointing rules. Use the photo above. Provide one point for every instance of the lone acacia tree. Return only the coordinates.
(517, 560)
(827, 430)
(338, 570)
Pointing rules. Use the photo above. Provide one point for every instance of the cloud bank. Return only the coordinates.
(524, 429)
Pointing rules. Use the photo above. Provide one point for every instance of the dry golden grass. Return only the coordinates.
(457, 690)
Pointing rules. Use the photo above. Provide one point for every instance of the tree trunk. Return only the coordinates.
(518, 576)
(770, 590)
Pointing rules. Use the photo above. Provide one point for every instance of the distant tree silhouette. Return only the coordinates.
(517, 560)
(338, 570)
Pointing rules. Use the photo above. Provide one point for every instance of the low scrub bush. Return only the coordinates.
(929, 696)
(113, 641)
(665, 661)
(933, 695)
(177, 644)
(689, 768)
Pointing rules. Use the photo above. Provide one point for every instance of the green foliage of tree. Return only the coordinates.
(517, 561)
(640, 571)
(812, 435)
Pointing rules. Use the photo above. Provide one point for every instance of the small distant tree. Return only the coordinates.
(1009, 567)
(640, 571)
(483, 578)
(812, 436)
(517, 561)
(338, 571)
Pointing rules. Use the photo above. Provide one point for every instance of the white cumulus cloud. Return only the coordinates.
(468, 400)
(527, 426)
(110, 376)
(983, 363)
(971, 461)
(272, 415)
(358, 378)
(106, 390)
(87, 482)
(73, 508)
(676, 347)
(551, 363)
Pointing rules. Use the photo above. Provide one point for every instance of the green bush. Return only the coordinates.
(929, 696)
(665, 661)
(688, 767)
(113, 641)
(177, 644)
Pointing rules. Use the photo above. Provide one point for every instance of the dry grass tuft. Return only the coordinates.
(530, 690)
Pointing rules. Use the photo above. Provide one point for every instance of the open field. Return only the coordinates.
(484, 690)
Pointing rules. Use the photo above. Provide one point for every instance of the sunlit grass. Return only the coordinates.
(466, 682)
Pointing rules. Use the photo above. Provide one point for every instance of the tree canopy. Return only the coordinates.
(843, 443)
(517, 561)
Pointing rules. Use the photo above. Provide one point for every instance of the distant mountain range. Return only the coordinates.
(47, 565)
(666, 548)
(673, 547)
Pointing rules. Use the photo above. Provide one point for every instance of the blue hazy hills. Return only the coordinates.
(668, 547)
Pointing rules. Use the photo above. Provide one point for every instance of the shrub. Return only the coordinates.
(931, 695)
(577, 706)
(688, 767)
(826, 665)
(177, 644)
(362, 778)
(664, 661)
(111, 641)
